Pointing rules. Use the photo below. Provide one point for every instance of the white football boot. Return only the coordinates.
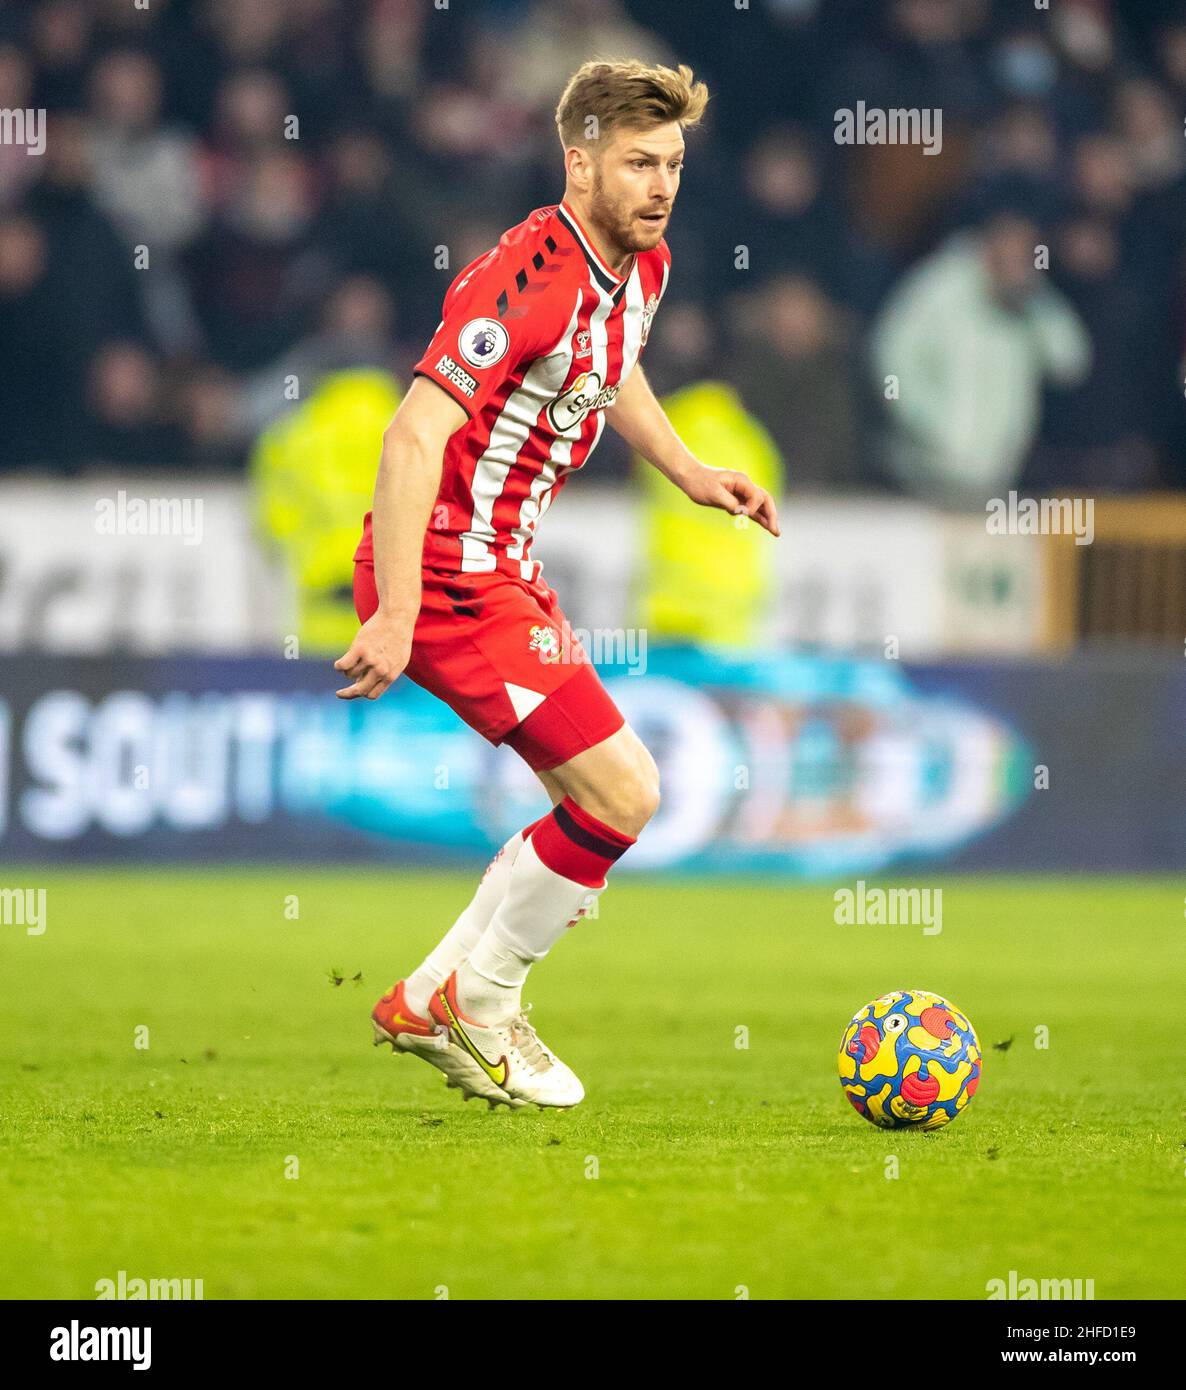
(511, 1053)
(395, 1022)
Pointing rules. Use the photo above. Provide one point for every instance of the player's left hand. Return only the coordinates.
(376, 657)
(735, 493)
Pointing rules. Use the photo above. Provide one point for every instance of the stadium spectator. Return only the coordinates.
(356, 330)
(793, 366)
(1102, 175)
(1152, 132)
(1016, 164)
(791, 224)
(28, 433)
(540, 48)
(69, 285)
(1096, 432)
(257, 272)
(684, 346)
(209, 409)
(962, 352)
(145, 175)
(924, 59)
(247, 123)
(1171, 57)
(128, 425)
(62, 43)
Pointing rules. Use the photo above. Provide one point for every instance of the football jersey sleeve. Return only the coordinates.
(478, 346)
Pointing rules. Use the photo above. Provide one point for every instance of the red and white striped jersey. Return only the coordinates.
(538, 336)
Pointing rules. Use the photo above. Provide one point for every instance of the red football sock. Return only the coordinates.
(577, 845)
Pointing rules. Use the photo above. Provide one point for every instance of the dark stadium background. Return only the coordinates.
(319, 246)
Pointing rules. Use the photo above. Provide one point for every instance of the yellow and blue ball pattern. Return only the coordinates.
(910, 1060)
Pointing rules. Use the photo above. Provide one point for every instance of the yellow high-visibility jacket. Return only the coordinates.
(313, 474)
(707, 577)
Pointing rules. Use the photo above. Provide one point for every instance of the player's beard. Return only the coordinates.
(615, 220)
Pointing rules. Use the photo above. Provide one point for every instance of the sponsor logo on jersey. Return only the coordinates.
(546, 642)
(648, 315)
(482, 342)
(585, 394)
(584, 343)
(456, 374)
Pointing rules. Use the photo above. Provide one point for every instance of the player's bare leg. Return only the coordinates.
(608, 793)
(616, 781)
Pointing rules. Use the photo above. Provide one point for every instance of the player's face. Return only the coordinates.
(634, 185)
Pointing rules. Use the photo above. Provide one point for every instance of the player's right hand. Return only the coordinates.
(376, 657)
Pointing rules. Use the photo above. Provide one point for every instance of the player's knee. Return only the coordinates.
(649, 801)
(640, 804)
(636, 797)
(618, 783)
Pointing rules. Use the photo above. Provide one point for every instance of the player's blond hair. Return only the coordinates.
(602, 96)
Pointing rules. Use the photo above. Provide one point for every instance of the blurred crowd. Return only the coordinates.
(236, 191)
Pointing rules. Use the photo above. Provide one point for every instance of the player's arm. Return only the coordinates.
(409, 476)
(643, 424)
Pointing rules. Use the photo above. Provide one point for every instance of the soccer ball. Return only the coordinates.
(909, 1060)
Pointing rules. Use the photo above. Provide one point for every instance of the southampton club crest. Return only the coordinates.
(482, 342)
(545, 641)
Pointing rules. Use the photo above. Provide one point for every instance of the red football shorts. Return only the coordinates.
(500, 652)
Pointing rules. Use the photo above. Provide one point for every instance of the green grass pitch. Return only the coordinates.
(695, 1168)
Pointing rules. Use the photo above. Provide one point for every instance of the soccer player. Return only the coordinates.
(537, 349)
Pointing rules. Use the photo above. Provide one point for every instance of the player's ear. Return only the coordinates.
(578, 165)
